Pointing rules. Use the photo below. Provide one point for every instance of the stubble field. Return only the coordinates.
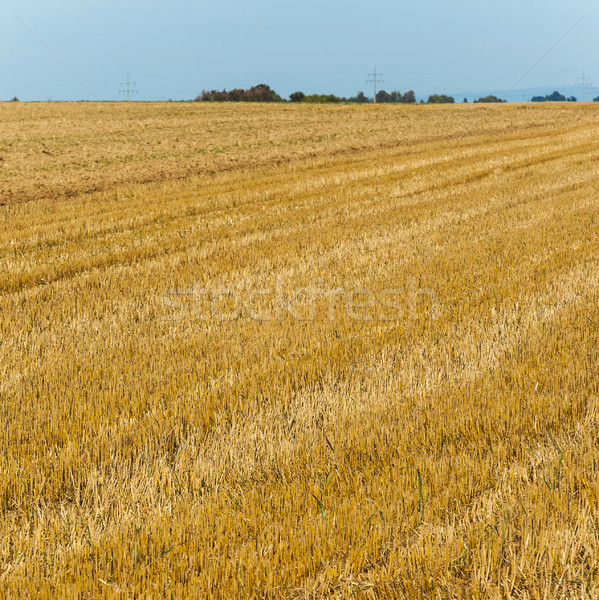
(299, 351)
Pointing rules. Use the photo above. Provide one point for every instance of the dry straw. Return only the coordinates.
(451, 452)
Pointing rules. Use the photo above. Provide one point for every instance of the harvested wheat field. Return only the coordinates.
(299, 351)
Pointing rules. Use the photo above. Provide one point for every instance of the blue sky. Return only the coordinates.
(175, 49)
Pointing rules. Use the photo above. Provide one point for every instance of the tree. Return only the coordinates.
(360, 98)
(322, 98)
(409, 97)
(236, 95)
(596, 99)
(383, 96)
(258, 93)
(297, 96)
(396, 97)
(440, 99)
(555, 97)
(262, 93)
(489, 99)
(465, 101)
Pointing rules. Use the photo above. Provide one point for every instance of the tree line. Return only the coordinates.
(556, 97)
(264, 93)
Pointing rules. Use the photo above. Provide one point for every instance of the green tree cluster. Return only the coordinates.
(360, 98)
(326, 98)
(440, 99)
(555, 97)
(257, 93)
(322, 98)
(408, 98)
(297, 97)
(263, 93)
(489, 99)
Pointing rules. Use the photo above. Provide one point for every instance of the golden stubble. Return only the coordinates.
(203, 393)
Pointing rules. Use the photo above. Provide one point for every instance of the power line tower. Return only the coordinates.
(585, 83)
(129, 88)
(375, 78)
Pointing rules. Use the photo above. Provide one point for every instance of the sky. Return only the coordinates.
(74, 50)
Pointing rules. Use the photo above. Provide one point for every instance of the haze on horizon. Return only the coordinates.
(175, 50)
